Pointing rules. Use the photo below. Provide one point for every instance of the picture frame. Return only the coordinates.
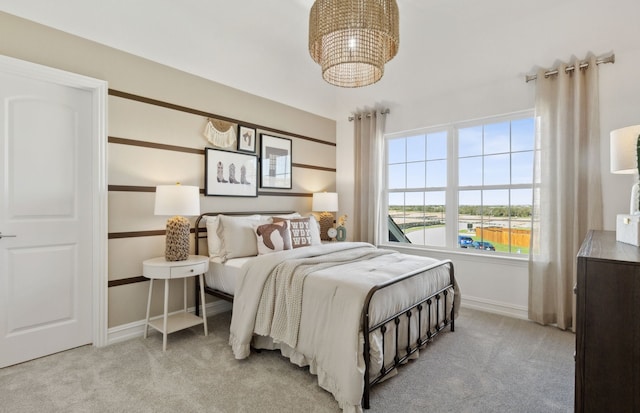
(230, 173)
(275, 162)
(246, 139)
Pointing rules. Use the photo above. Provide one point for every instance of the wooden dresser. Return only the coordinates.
(608, 325)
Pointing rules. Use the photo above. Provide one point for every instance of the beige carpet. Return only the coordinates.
(489, 364)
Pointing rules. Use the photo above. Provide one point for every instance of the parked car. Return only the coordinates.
(483, 245)
(465, 241)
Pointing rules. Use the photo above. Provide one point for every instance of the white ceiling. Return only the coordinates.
(260, 46)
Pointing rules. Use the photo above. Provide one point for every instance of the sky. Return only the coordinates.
(483, 158)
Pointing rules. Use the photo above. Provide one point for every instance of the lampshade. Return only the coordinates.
(623, 150)
(623, 153)
(352, 40)
(177, 200)
(325, 202)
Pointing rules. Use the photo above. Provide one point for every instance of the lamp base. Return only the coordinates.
(628, 229)
(326, 222)
(177, 242)
(634, 207)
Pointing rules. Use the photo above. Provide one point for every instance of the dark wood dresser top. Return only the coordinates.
(602, 245)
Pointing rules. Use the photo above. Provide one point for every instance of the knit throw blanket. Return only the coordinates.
(280, 304)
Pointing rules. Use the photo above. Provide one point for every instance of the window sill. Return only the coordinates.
(459, 254)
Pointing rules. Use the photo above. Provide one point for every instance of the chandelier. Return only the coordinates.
(352, 39)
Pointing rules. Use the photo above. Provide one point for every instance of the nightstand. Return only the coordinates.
(161, 269)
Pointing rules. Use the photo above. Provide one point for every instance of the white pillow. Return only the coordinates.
(272, 237)
(288, 216)
(315, 230)
(236, 235)
(213, 240)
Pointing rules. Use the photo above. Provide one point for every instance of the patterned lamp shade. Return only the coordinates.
(352, 40)
(177, 200)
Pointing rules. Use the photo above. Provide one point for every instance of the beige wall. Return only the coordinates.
(134, 170)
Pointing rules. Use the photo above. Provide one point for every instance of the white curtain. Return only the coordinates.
(369, 156)
(568, 195)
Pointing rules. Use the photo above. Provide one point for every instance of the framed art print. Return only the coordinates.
(230, 173)
(275, 160)
(246, 139)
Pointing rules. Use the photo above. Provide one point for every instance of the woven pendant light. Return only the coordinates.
(352, 39)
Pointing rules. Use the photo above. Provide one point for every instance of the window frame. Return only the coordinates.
(452, 188)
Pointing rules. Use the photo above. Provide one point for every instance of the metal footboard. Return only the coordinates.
(424, 307)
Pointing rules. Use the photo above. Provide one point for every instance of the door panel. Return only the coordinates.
(38, 275)
(40, 166)
(45, 186)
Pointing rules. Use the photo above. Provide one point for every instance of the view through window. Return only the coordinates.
(464, 185)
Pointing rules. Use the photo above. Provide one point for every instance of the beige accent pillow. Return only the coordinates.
(236, 235)
(273, 237)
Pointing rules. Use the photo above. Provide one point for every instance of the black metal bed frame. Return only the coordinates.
(423, 338)
(424, 306)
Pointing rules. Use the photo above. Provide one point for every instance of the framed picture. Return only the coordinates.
(230, 173)
(275, 159)
(246, 139)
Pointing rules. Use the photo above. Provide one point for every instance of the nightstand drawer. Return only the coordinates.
(187, 270)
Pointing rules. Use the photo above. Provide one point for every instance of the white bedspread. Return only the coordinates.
(329, 339)
(280, 305)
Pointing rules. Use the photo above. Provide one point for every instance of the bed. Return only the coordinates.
(349, 311)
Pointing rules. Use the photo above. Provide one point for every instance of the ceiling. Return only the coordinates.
(260, 46)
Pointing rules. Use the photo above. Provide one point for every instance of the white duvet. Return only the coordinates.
(326, 333)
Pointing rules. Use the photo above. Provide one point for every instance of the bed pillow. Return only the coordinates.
(304, 231)
(272, 237)
(213, 240)
(236, 235)
(288, 216)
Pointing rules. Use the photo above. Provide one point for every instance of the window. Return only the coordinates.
(466, 185)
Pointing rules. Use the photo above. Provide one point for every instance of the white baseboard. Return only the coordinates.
(136, 329)
(496, 307)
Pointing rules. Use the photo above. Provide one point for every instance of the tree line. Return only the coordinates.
(514, 211)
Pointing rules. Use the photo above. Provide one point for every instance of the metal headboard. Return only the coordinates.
(198, 230)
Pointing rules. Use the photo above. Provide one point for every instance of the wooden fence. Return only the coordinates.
(519, 237)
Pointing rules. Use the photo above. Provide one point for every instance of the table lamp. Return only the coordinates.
(177, 200)
(325, 203)
(624, 152)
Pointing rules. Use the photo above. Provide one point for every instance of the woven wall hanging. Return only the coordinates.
(220, 133)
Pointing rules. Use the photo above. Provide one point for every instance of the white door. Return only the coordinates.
(45, 217)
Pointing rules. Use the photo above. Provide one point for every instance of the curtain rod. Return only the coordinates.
(382, 112)
(607, 59)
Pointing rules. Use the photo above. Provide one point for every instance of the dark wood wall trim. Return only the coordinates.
(319, 168)
(142, 99)
(125, 281)
(131, 188)
(134, 234)
(264, 193)
(145, 144)
(127, 188)
(159, 232)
